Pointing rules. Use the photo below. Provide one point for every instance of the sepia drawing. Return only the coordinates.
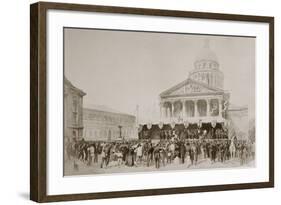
(149, 101)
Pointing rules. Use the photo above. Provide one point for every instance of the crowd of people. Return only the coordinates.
(148, 153)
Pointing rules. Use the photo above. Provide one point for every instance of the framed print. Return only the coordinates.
(134, 102)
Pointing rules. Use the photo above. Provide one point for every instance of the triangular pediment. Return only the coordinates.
(189, 87)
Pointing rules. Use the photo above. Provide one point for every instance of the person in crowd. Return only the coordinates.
(150, 151)
(172, 149)
(81, 154)
(204, 149)
(222, 151)
(213, 152)
(97, 152)
(130, 159)
(125, 153)
(227, 150)
(139, 154)
(169, 156)
(182, 150)
(156, 154)
(239, 150)
(91, 154)
(191, 152)
(103, 157)
(196, 151)
(119, 156)
(163, 155)
(108, 153)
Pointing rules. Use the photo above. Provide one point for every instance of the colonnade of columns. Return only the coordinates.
(191, 108)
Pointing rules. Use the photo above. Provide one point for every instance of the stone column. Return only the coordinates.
(195, 108)
(208, 107)
(220, 107)
(172, 111)
(169, 112)
(163, 111)
(183, 110)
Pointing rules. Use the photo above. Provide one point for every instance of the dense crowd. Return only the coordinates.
(166, 151)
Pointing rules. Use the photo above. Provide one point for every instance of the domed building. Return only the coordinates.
(201, 97)
(199, 104)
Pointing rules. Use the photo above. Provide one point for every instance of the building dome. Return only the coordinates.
(206, 58)
(206, 68)
(206, 54)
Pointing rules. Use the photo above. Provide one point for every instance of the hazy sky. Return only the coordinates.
(121, 69)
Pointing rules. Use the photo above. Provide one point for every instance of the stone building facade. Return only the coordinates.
(105, 125)
(73, 111)
(201, 96)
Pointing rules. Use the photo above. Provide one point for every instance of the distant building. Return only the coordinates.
(239, 122)
(73, 111)
(102, 124)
